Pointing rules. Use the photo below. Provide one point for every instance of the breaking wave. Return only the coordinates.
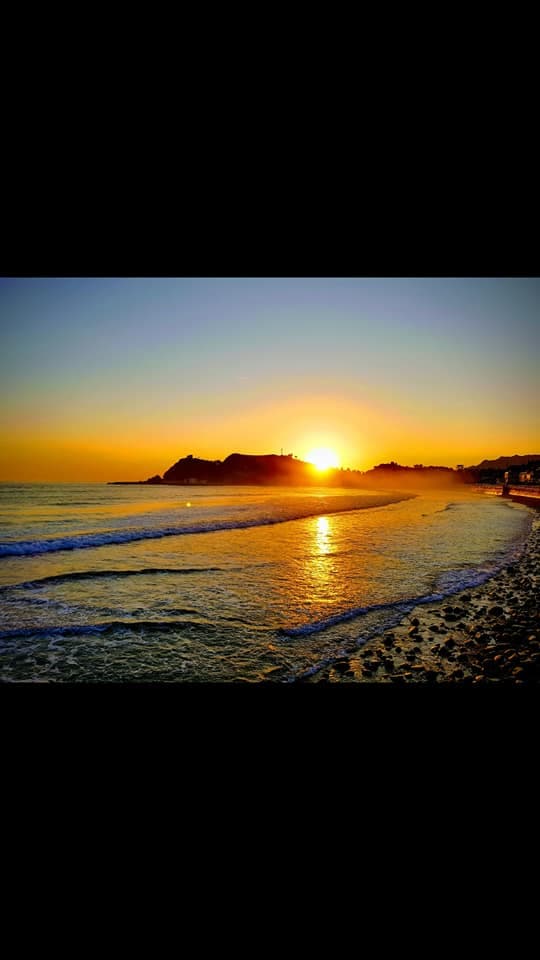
(29, 548)
(111, 626)
(446, 585)
(106, 574)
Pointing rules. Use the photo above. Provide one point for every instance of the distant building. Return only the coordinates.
(460, 466)
(526, 476)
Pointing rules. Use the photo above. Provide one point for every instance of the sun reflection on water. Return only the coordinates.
(323, 534)
(318, 580)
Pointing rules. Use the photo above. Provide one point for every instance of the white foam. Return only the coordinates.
(28, 548)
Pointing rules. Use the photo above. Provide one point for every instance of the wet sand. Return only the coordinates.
(488, 634)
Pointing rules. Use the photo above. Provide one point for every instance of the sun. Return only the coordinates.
(323, 458)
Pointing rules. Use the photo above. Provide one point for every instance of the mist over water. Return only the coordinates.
(134, 583)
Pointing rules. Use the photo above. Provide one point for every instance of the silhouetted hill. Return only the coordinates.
(193, 469)
(395, 476)
(241, 468)
(502, 463)
(271, 469)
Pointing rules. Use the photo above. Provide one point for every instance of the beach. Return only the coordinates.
(140, 584)
(270, 480)
(487, 634)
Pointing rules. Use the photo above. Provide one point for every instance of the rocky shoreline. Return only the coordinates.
(488, 634)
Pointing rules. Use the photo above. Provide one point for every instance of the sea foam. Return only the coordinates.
(29, 548)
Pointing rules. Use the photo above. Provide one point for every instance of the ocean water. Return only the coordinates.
(184, 583)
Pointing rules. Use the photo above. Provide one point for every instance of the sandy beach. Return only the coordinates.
(488, 634)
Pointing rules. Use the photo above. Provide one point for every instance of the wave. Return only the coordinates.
(451, 583)
(93, 574)
(74, 503)
(29, 548)
(454, 581)
(400, 606)
(78, 630)
(446, 585)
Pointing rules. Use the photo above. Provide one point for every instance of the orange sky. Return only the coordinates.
(360, 435)
(118, 379)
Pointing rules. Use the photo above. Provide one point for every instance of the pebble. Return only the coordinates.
(500, 644)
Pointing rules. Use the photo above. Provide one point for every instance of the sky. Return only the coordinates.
(116, 379)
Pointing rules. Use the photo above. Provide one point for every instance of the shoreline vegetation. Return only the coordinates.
(489, 634)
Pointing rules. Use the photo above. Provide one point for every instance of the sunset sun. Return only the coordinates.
(211, 480)
(322, 458)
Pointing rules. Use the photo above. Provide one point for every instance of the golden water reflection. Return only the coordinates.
(319, 575)
(323, 538)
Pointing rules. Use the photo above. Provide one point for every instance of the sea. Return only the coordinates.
(104, 583)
